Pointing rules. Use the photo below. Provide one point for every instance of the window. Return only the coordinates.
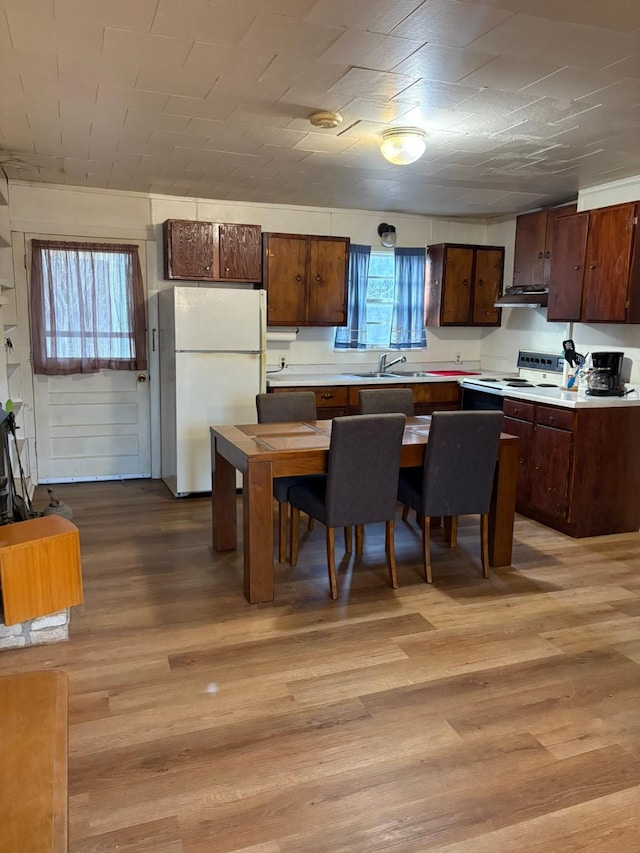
(87, 308)
(381, 288)
(386, 300)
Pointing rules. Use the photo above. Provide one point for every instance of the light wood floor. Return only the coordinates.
(475, 716)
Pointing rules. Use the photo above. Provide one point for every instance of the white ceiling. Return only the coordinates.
(524, 101)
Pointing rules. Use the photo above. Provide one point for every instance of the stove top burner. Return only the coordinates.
(514, 380)
(488, 379)
(546, 385)
(520, 383)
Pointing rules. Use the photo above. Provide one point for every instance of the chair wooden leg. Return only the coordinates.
(347, 540)
(405, 512)
(359, 539)
(484, 544)
(451, 529)
(331, 563)
(295, 534)
(390, 548)
(426, 548)
(283, 518)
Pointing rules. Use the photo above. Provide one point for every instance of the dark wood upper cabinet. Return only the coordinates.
(595, 273)
(567, 268)
(237, 252)
(306, 279)
(188, 250)
(534, 245)
(612, 268)
(463, 282)
(210, 251)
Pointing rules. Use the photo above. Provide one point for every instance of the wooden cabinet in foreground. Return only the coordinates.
(306, 279)
(573, 476)
(212, 251)
(463, 282)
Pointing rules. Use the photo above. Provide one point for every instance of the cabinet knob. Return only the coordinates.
(318, 277)
(465, 283)
(592, 266)
(547, 254)
(480, 282)
(540, 255)
(577, 267)
(298, 277)
(328, 396)
(226, 269)
(207, 268)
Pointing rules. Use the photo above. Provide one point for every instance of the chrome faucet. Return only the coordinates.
(384, 366)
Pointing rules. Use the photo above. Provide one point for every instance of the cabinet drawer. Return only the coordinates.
(331, 395)
(518, 409)
(559, 418)
(435, 392)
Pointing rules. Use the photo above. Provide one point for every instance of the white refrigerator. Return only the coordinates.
(212, 343)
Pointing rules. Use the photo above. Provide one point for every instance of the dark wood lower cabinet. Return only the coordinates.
(333, 401)
(579, 468)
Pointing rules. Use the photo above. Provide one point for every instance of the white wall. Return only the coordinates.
(85, 212)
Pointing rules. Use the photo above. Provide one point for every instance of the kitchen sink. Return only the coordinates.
(373, 375)
(411, 373)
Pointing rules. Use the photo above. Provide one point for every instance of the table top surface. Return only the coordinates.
(276, 439)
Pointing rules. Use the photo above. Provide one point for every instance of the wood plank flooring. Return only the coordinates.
(473, 716)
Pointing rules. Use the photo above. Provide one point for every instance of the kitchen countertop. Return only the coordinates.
(552, 396)
(311, 379)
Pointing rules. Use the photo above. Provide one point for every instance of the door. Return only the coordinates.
(87, 426)
(211, 389)
(239, 252)
(486, 288)
(567, 266)
(456, 286)
(327, 281)
(551, 470)
(531, 236)
(284, 269)
(218, 318)
(608, 264)
(188, 250)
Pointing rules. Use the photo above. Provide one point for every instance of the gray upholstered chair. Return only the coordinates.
(457, 476)
(375, 401)
(281, 408)
(359, 488)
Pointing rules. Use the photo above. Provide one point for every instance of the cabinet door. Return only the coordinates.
(487, 286)
(524, 431)
(530, 248)
(608, 265)
(327, 281)
(567, 267)
(239, 253)
(284, 277)
(456, 286)
(551, 470)
(188, 250)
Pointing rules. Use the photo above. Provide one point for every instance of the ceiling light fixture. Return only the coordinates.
(403, 145)
(326, 121)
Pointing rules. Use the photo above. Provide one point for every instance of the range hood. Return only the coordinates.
(528, 296)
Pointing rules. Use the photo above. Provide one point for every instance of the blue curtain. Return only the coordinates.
(407, 326)
(354, 334)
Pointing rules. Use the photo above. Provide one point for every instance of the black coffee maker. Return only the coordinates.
(605, 379)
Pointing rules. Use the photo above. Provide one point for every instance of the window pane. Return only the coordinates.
(381, 264)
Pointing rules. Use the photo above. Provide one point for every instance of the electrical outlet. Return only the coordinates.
(283, 362)
(458, 358)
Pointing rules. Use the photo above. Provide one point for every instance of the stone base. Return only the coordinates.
(53, 628)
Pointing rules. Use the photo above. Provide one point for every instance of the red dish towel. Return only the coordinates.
(453, 372)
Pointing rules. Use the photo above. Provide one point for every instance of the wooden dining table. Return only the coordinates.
(262, 452)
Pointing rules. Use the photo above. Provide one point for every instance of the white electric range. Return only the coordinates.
(535, 370)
